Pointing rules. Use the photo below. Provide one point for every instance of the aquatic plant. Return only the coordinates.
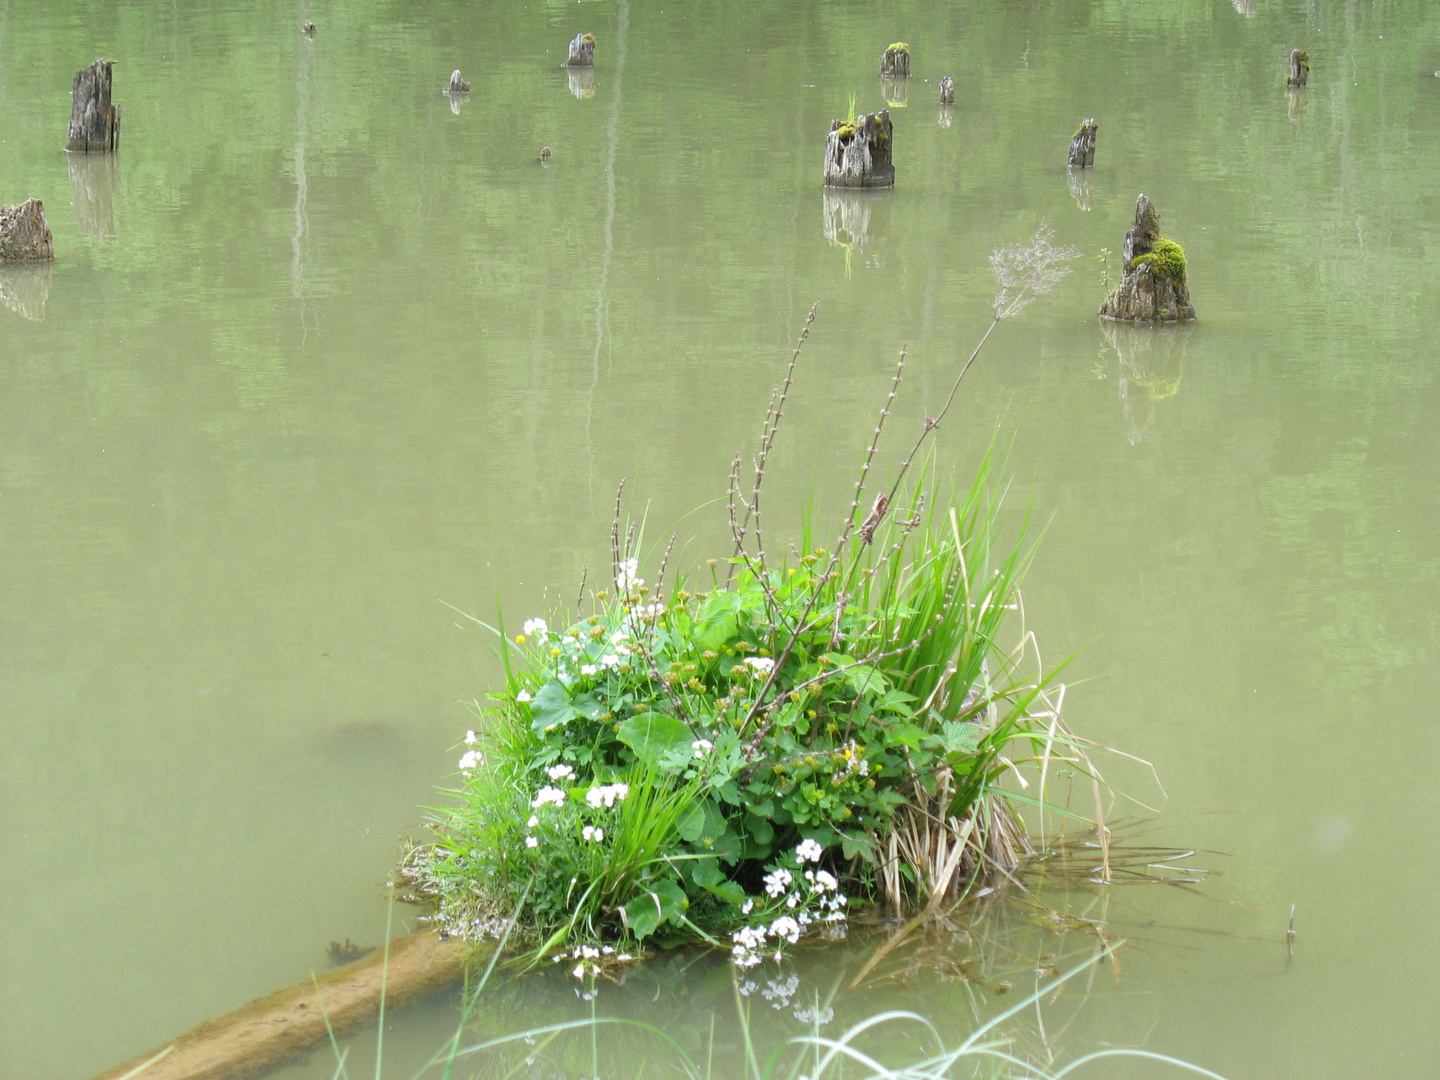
(730, 759)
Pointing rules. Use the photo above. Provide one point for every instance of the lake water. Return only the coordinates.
(319, 355)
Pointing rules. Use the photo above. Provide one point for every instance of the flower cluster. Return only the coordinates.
(813, 898)
(606, 795)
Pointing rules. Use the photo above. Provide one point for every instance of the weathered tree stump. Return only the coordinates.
(947, 91)
(582, 51)
(1299, 68)
(1153, 288)
(94, 122)
(457, 84)
(308, 29)
(1082, 146)
(24, 236)
(545, 157)
(24, 288)
(857, 154)
(895, 62)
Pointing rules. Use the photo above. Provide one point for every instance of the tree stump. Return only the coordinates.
(457, 84)
(24, 236)
(947, 91)
(94, 122)
(582, 51)
(1082, 146)
(1153, 288)
(857, 153)
(895, 62)
(1299, 68)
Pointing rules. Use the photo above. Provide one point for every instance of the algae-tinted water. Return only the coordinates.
(317, 353)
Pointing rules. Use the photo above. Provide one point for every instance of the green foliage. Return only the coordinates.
(1166, 259)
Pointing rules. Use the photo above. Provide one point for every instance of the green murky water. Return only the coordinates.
(317, 353)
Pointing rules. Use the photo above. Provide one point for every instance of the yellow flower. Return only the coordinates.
(519, 639)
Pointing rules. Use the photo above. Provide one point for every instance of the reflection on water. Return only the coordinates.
(1244, 7)
(896, 92)
(24, 288)
(582, 81)
(94, 182)
(947, 115)
(1152, 362)
(858, 222)
(457, 99)
(1080, 189)
(1299, 103)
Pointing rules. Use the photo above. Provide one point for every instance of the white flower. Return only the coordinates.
(702, 747)
(471, 760)
(470, 739)
(777, 882)
(590, 832)
(762, 665)
(808, 851)
(579, 971)
(532, 822)
(748, 906)
(560, 772)
(536, 627)
(787, 928)
(606, 795)
(588, 669)
(531, 842)
(523, 696)
(824, 881)
(625, 578)
(609, 660)
(547, 794)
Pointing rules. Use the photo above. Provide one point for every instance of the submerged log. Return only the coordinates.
(857, 154)
(947, 91)
(1299, 68)
(94, 122)
(272, 1030)
(895, 61)
(1153, 288)
(24, 235)
(582, 51)
(1082, 145)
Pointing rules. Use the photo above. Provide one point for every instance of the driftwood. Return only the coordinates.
(94, 121)
(24, 236)
(1082, 146)
(895, 62)
(947, 91)
(24, 288)
(1299, 68)
(272, 1030)
(857, 153)
(582, 51)
(1153, 288)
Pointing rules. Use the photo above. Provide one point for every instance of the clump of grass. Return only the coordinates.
(732, 756)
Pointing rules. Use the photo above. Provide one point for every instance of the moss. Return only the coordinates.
(899, 46)
(588, 39)
(1166, 259)
(845, 131)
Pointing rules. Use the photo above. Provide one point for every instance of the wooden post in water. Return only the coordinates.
(857, 154)
(94, 121)
(895, 62)
(1299, 68)
(271, 1031)
(1082, 146)
(24, 235)
(582, 51)
(947, 91)
(1153, 288)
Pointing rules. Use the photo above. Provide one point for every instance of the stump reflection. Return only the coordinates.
(24, 289)
(582, 82)
(1152, 363)
(94, 180)
(857, 222)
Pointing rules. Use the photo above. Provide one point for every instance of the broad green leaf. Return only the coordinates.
(551, 707)
(691, 822)
(653, 735)
(587, 706)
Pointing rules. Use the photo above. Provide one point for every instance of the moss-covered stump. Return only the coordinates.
(1082, 145)
(582, 51)
(895, 61)
(273, 1030)
(94, 121)
(1153, 288)
(1299, 68)
(857, 152)
(24, 235)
